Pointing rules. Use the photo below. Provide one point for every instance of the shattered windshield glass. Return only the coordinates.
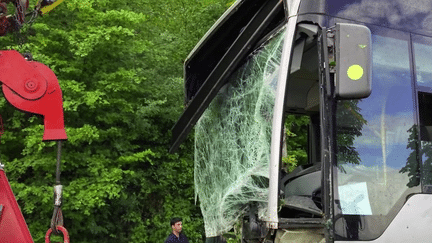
(232, 141)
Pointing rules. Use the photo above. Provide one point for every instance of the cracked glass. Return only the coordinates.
(232, 141)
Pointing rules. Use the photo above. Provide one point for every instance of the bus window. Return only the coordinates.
(422, 55)
(301, 167)
(408, 15)
(423, 60)
(425, 114)
(300, 179)
(374, 144)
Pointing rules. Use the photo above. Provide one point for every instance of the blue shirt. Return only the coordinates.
(172, 238)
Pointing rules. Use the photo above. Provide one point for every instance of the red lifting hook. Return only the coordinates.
(59, 228)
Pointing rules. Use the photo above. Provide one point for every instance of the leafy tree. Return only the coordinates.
(296, 136)
(120, 68)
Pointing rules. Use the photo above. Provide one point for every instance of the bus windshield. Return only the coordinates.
(232, 141)
(377, 144)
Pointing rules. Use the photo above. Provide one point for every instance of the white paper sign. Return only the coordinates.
(354, 199)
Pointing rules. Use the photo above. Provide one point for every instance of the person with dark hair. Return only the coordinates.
(176, 235)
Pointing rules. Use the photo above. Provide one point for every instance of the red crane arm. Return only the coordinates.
(33, 87)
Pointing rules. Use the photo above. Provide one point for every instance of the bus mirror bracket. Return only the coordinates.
(353, 61)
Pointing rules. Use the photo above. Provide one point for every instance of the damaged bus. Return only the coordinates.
(360, 72)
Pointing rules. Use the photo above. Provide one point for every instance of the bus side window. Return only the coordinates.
(425, 113)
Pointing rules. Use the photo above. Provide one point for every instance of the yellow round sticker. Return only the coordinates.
(355, 72)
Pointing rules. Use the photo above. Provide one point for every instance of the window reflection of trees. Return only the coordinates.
(417, 173)
(349, 128)
(412, 166)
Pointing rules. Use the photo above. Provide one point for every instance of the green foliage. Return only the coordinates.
(289, 163)
(296, 130)
(235, 235)
(120, 69)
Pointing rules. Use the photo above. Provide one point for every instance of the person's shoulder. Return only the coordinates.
(183, 237)
(169, 238)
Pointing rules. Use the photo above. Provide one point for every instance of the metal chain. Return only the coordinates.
(57, 218)
(35, 13)
(20, 20)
